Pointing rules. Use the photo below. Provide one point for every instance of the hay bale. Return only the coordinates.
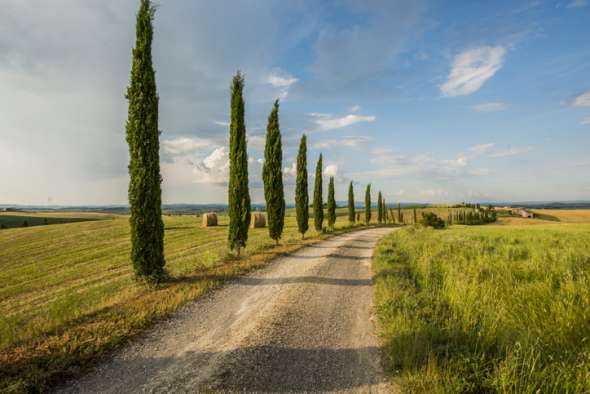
(257, 220)
(209, 219)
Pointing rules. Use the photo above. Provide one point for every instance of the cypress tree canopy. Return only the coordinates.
(331, 204)
(301, 193)
(238, 193)
(272, 175)
(142, 134)
(368, 204)
(318, 207)
(351, 213)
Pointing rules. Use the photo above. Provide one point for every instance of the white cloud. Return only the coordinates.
(577, 4)
(281, 81)
(291, 171)
(582, 99)
(256, 140)
(331, 170)
(214, 168)
(434, 193)
(221, 123)
(184, 145)
(585, 121)
(355, 108)
(350, 141)
(490, 107)
(512, 151)
(482, 148)
(325, 122)
(472, 68)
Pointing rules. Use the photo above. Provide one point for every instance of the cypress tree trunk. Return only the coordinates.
(400, 218)
(238, 193)
(301, 193)
(379, 208)
(272, 176)
(384, 210)
(331, 204)
(145, 193)
(351, 213)
(415, 216)
(318, 207)
(368, 204)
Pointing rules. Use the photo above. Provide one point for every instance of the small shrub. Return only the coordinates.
(430, 219)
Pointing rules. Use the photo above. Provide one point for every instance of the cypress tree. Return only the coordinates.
(400, 218)
(379, 208)
(238, 193)
(331, 204)
(351, 213)
(384, 210)
(272, 175)
(318, 207)
(142, 134)
(301, 194)
(415, 216)
(368, 204)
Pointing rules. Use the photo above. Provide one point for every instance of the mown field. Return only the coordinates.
(26, 219)
(68, 294)
(486, 308)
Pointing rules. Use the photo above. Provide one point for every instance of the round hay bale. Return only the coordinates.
(209, 219)
(257, 220)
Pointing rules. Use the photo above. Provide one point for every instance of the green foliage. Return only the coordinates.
(351, 211)
(272, 175)
(415, 216)
(145, 194)
(486, 310)
(301, 193)
(318, 205)
(474, 216)
(379, 208)
(400, 214)
(331, 204)
(239, 195)
(430, 219)
(368, 204)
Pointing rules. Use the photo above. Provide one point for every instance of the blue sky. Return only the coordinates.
(427, 100)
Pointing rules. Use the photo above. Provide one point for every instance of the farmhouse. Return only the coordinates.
(524, 213)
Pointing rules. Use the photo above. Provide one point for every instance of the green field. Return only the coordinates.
(68, 294)
(26, 219)
(486, 308)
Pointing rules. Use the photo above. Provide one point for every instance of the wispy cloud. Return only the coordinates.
(577, 4)
(582, 99)
(184, 145)
(221, 123)
(512, 151)
(585, 121)
(490, 107)
(282, 81)
(355, 108)
(325, 122)
(482, 148)
(472, 68)
(350, 141)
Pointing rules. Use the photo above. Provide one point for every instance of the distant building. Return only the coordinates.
(524, 213)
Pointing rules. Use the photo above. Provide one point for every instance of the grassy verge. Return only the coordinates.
(67, 294)
(486, 309)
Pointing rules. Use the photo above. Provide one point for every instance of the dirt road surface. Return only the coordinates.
(302, 324)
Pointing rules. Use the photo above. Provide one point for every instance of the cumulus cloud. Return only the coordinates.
(471, 69)
(214, 168)
(490, 107)
(350, 141)
(324, 122)
(482, 148)
(582, 99)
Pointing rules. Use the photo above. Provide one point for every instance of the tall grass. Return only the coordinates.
(487, 309)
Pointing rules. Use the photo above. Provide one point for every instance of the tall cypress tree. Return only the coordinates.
(351, 213)
(238, 193)
(384, 210)
(301, 194)
(272, 175)
(368, 204)
(318, 207)
(331, 204)
(379, 208)
(145, 192)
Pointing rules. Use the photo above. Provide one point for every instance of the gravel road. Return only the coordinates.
(302, 324)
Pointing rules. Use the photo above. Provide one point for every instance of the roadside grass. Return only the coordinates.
(486, 309)
(26, 219)
(68, 295)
